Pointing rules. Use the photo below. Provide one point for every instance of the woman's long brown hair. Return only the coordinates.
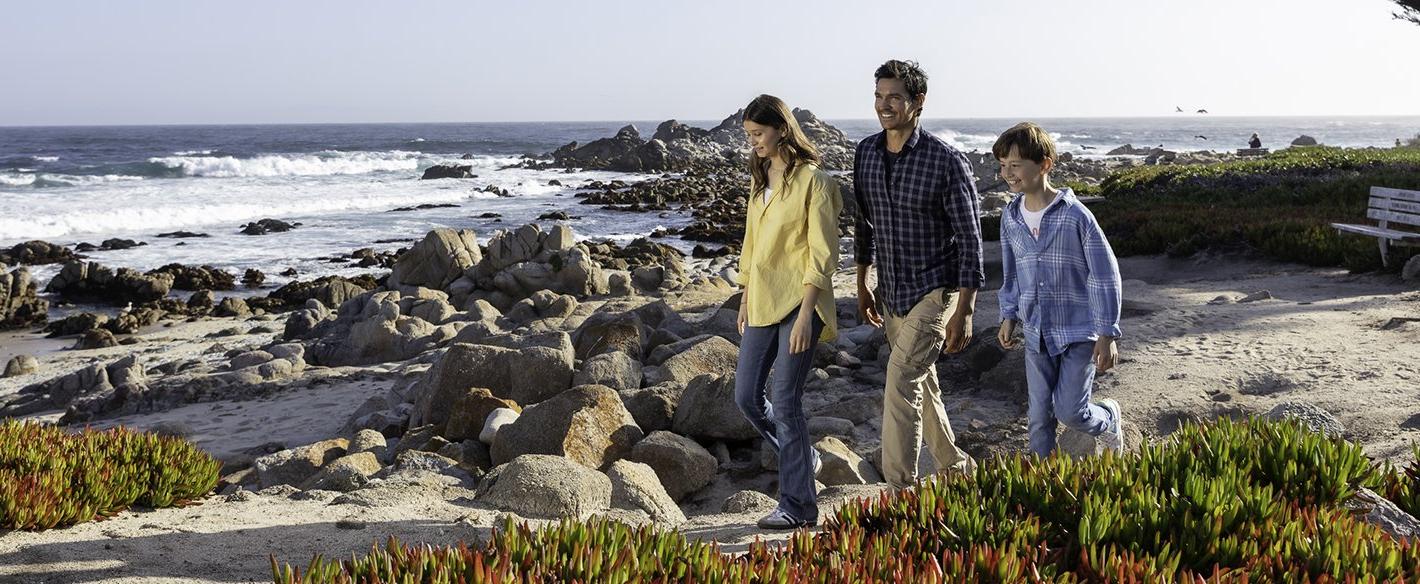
(794, 147)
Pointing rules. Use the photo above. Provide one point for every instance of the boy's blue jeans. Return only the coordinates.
(1060, 388)
(787, 430)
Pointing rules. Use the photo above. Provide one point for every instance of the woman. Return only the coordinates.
(787, 262)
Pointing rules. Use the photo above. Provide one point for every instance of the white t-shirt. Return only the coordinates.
(767, 191)
(1033, 218)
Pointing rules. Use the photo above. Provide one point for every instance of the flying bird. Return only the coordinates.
(1201, 137)
(1203, 111)
(1177, 109)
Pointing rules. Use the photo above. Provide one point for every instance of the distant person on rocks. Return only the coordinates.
(919, 223)
(787, 262)
(1255, 141)
(1061, 288)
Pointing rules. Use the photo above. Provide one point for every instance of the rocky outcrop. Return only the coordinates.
(636, 486)
(20, 365)
(197, 278)
(266, 226)
(437, 261)
(1304, 140)
(587, 424)
(34, 253)
(331, 291)
(707, 411)
(545, 486)
(448, 171)
(20, 304)
(99, 386)
(375, 328)
(527, 260)
(676, 146)
(91, 282)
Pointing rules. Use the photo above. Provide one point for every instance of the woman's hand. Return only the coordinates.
(801, 337)
(742, 318)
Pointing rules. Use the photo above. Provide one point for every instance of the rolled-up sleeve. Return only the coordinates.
(1103, 280)
(824, 206)
(964, 212)
(747, 248)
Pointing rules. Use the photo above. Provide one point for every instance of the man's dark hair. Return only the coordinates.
(911, 75)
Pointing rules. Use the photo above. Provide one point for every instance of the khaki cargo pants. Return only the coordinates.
(912, 400)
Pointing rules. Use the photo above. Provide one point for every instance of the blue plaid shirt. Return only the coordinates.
(1065, 286)
(924, 229)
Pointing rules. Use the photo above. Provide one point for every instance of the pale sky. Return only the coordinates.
(259, 61)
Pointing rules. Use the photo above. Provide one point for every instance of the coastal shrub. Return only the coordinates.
(50, 477)
(1281, 205)
(1248, 501)
(1402, 486)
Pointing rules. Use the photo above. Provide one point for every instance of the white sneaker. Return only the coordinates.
(778, 519)
(1113, 436)
(818, 460)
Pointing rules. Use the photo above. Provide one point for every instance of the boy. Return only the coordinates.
(1061, 286)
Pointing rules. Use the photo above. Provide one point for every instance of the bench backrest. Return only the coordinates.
(1394, 206)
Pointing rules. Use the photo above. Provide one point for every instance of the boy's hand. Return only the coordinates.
(868, 308)
(1105, 354)
(1006, 334)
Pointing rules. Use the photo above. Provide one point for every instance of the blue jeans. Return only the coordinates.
(787, 430)
(1060, 388)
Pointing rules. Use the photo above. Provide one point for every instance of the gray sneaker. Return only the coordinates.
(778, 519)
(1113, 436)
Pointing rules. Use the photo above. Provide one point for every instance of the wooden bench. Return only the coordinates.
(1252, 151)
(1391, 208)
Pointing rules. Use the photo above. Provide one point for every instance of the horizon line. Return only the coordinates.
(689, 119)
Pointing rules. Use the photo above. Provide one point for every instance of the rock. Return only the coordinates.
(526, 376)
(197, 278)
(1304, 140)
(587, 424)
(497, 419)
(1007, 379)
(707, 411)
(331, 291)
(683, 465)
(747, 501)
(294, 466)
(232, 307)
(1256, 296)
(76, 324)
(714, 355)
(843, 466)
(544, 486)
(606, 332)
(1311, 416)
(616, 370)
(619, 284)
(266, 226)
(439, 171)
(468, 414)
(253, 278)
(182, 235)
(34, 253)
(1385, 514)
(91, 282)
(820, 426)
(1411, 271)
(372, 329)
(436, 261)
(20, 304)
(636, 486)
(344, 474)
(371, 441)
(21, 365)
(653, 407)
(96, 339)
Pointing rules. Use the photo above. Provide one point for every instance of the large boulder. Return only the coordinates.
(714, 355)
(636, 486)
(604, 332)
(545, 486)
(293, 467)
(1304, 140)
(682, 464)
(197, 277)
(20, 365)
(439, 171)
(707, 411)
(616, 370)
(91, 282)
(653, 407)
(587, 424)
(344, 474)
(436, 261)
(20, 304)
(331, 291)
(107, 387)
(371, 329)
(34, 253)
(469, 413)
(843, 466)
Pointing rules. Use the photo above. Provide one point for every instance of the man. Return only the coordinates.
(919, 218)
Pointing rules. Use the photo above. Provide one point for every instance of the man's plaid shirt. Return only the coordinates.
(923, 230)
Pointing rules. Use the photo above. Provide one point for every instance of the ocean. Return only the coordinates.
(341, 181)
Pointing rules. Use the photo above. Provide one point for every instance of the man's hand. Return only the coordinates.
(868, 308)
(958, 332)
(1105, 354)
(1006, 334)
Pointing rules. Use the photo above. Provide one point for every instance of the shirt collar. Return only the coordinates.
(911, 140)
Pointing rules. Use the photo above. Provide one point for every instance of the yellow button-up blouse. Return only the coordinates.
(790, 241)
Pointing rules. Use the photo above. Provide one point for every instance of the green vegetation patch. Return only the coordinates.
(1250, 501)
(50, 477)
